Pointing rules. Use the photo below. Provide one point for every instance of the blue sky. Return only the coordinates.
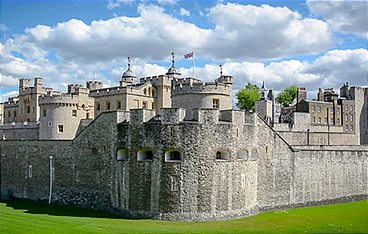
(311, 44)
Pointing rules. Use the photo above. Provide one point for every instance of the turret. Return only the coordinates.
(173, 71)
(38, 84)
(93, 85)
(128, 76)
(24, 84)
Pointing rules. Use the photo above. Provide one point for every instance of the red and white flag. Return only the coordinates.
(190, 55)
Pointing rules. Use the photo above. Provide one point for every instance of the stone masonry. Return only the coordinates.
(220, 164)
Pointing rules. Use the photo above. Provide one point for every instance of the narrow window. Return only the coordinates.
(313, 108)
(351, 128)
(44, 112)
(118, 104)
(30, 171)
(87, 115)
(319, 120)
(216, 103)
(314, 120)
(15, 114)
(319, 109)
(144, 105)
(145, 91)
(9, 114)
(242, 155)
(222, 155)
(28, 109)
(107, 105)
(351, 117)
(254, 154)
(173, 155)
(122, 155)
(74, 113)
(98, 106)
(144, 155)
(60, 128)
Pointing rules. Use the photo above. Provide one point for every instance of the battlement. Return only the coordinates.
(25, 89)
(178, 115)
(195, 86)
(110, 91)
(11, 101)
(157, 80)
(63, 99)
(77, 89)
(93, 85)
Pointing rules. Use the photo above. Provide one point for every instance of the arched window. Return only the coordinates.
(242, 155)
(222, 155)
(149, 91)
(254, 154)
(144, 155)
(145, 91)
(122, 155)
(173, 155)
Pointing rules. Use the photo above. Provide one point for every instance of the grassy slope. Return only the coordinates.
(33, 217)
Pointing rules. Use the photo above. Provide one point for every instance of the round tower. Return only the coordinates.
(61, 115)
(192, 93)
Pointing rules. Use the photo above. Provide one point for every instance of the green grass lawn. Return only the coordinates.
(21, 216)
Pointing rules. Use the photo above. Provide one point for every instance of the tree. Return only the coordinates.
(247, 97)
(288, 95)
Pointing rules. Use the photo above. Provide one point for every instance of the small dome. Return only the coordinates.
(173, 71)
(128, 74)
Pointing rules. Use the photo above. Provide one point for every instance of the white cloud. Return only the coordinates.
(344, 16)
(184, 12)
(241, 32)
(167, 2)
(246, 31)
(7, 81)
(4, 96)
(111, 4)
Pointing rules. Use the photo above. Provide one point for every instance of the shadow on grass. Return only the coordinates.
(42, 207)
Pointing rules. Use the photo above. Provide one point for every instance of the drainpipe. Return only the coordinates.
(50, 157)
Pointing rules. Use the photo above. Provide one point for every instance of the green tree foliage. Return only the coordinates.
(288, 95)
(247, 97)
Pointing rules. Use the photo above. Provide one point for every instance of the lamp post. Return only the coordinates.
(328, 126)
(51, 178)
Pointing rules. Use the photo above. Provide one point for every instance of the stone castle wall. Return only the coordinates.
(23, 131)
(89, 172)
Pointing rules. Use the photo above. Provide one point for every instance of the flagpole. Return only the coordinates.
(193, 64)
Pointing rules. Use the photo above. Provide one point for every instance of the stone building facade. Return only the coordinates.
(220, 164)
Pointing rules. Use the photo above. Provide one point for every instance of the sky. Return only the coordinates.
(305, 43)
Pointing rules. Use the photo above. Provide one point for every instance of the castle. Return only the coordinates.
(172, 148)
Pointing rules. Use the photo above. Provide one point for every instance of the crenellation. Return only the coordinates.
(172, 115)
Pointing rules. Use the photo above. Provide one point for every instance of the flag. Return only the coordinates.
(190, 55)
